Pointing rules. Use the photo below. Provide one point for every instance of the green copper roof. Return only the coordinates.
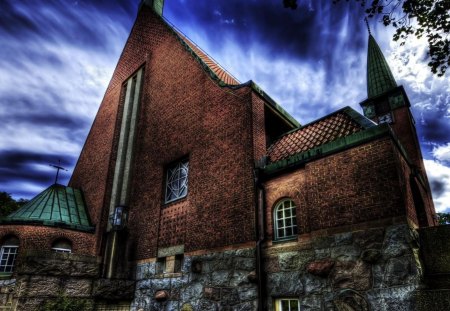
(379, 76)
(57, 206)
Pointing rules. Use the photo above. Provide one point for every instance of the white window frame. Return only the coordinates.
(176, 184)
(5, 258)
(58, 248)
(289, 215)
(278, 304)
(61, 250)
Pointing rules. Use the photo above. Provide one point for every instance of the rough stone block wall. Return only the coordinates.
(372, 269)
(211, 281)
(356, 185)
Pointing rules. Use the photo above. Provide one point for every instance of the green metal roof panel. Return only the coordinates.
(57, 205)
(379, 75)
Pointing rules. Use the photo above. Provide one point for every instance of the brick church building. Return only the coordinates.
(194, 191)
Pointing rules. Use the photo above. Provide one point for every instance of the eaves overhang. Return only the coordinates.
(300, 159)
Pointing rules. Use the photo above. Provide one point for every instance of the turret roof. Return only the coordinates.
(379, 75)
(57, 206)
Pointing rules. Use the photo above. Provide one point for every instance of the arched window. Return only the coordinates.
(62, 246)
(285, 220)
(8, 254)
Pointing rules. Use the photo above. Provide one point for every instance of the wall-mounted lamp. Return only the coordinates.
(118, 220)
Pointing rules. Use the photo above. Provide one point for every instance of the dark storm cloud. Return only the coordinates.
(438, 187)
(309, 31)
(64, 22)
(433, 126)
(32, 170)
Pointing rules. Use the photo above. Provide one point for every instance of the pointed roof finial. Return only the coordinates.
(58, 167)
(368, 26)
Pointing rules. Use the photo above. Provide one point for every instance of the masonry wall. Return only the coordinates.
(183, 113)
(353, 186)
(34, 238)
(217, 279)
(375, 268)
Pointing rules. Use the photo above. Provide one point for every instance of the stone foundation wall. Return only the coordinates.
(213, 281)
(47, 276)
(373, 269)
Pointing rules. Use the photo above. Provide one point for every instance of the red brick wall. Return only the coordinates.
(39, 238)
(182, 113)
(353, 186)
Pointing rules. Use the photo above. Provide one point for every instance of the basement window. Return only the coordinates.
(62, 246)
(177, 181)
(287, 304)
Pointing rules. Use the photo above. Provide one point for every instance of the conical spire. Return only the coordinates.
(379, 75)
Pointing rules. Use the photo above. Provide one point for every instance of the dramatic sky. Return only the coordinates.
(57, 56)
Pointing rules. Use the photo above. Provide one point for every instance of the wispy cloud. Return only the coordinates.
(439, 177)
(57, 57)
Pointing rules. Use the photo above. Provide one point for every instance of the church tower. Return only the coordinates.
(388, 103)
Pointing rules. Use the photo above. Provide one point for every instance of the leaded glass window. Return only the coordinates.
(177, 181)
(8, 254)
(285, 220)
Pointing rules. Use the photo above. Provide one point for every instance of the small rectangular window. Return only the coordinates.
(287, 304)
(161, 265)
(177, 181)
(178, 263)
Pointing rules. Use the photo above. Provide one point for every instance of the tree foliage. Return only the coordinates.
(8, 204)
(443, 218)
(429, 18)
(64, 303)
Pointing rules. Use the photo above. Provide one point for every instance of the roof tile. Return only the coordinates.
(317, 133)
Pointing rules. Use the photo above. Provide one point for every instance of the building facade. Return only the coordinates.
(196, 192)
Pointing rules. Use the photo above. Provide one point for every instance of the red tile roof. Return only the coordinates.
(221, 73)
(322, 131)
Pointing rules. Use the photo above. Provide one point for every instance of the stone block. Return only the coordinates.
(313, 284)
(295, 260)
(248, 264)
(343, 239)
(42, 286)
(396, 242)
(371, 238)
(78, 288)
(352, 274)
(113, 289)
(238, 278)
(192, 291)
(322, 242)
(346, 253)
(248, 293)
(371, 255)
(399, 298)
(220, 278)
(321, 267)
(271, 264)
(284, 284)
(311, 303)
(399, 271)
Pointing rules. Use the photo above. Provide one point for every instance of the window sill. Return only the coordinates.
(283, 240)
(5, 275)
(169, 275)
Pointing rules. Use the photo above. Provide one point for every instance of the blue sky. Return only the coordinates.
(56, 59)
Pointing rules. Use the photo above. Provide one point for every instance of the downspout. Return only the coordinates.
(259, 198)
